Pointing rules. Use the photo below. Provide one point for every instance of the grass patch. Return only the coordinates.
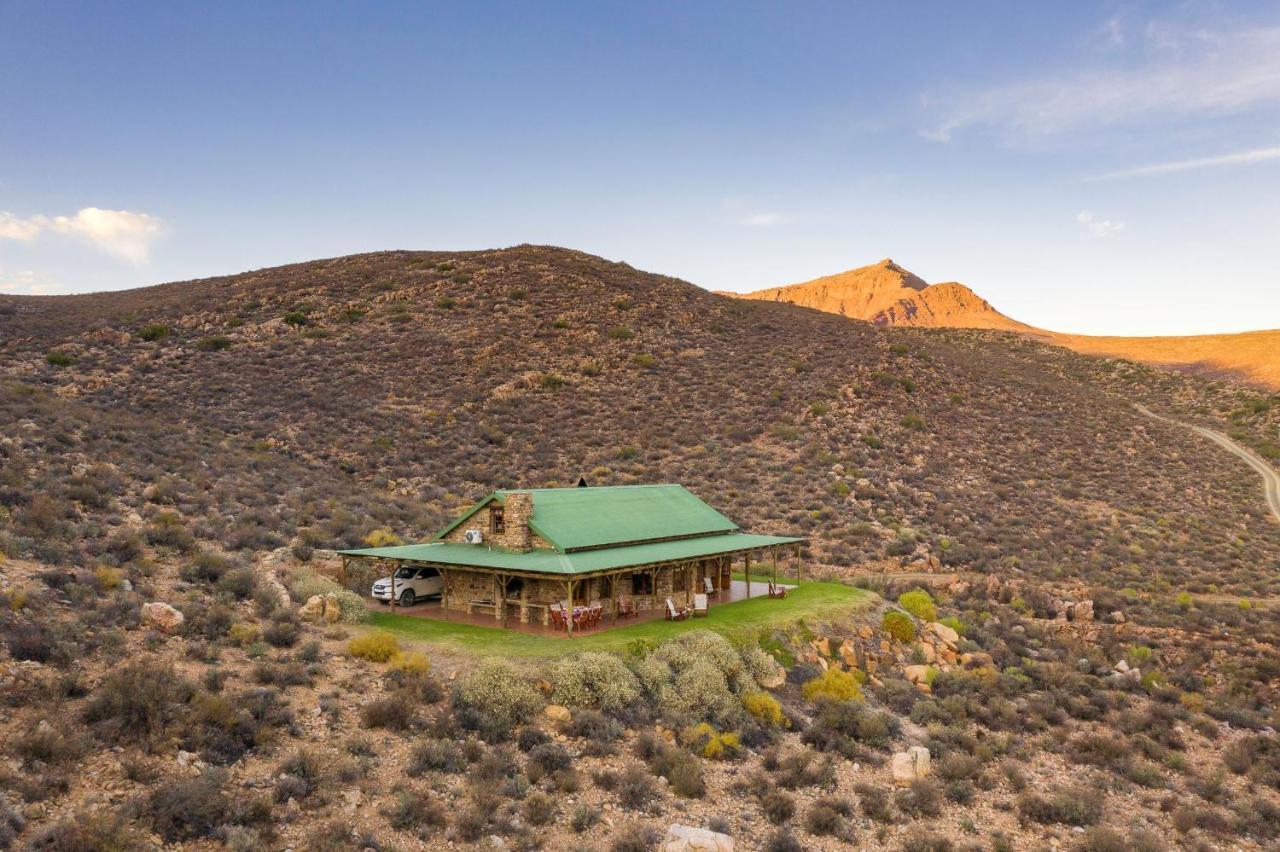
(742, 620)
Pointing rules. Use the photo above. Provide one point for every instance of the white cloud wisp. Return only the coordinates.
(121, 233)
(1098, 227)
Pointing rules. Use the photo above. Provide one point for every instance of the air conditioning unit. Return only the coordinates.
(473, 536)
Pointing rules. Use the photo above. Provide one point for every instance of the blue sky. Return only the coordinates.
(1088, 167)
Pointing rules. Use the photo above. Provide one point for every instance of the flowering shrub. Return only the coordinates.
(595, 680)
(763, 707)
(833, 685)
(898, 625)
(410, 662)
(710, 743)
(919, 603)
(377, 647)
(498, 693)
(382, 537)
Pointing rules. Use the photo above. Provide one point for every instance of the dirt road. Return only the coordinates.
(1270, 478)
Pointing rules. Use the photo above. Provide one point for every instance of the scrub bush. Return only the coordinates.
(834, 685)
(594, 680)
(919, 603)
(763, 707)
(898, 625)
(496, 696)
(410, 663)
(378, 646)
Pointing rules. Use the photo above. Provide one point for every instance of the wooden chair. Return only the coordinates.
(776, 591)
(700, 605)
(626, 609)
(557, 618)
(675, 613)
(710, 587)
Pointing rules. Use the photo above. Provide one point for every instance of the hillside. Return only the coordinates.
(391, 388)
(887, 294)
(1096, 667)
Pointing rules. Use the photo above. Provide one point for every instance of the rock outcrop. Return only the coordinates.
(910, 765)
(686, 838)
(162, 617)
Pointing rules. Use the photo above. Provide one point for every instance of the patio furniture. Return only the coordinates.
(557, 618)
(700, 605)
(776, 591)
(710, 587)
(675, 613)
(626, 608)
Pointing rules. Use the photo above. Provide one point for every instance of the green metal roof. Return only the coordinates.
(579, 518)
(579, 562)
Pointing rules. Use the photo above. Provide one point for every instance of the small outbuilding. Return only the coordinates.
(576, 557)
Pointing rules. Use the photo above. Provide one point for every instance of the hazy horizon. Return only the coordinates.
(1105, 169)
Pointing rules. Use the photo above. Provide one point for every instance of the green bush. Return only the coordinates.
(153, 332)
(1066, 805)
(919, 603)
(215, 343)
(595, 680)
(898, 625)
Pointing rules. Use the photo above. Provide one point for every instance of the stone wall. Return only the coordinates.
(516, 534)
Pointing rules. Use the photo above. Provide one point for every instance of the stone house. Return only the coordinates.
(625, 549)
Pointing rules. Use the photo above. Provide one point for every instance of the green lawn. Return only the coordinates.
(744, 619)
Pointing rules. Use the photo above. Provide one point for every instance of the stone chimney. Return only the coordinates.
(517, 509)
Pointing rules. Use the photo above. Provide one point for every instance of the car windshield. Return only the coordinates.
(406, 573)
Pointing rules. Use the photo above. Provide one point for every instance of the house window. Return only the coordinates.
(497, 525)
(642, 583)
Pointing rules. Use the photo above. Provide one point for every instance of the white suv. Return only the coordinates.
(412, 585)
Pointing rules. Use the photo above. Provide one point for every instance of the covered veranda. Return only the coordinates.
(511, 595)
(737, 592)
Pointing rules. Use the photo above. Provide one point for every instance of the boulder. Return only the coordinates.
(929, 653)
(1117, 617)
(849, 653)
(910, 765)
(1082, 611)
(945, 633)
(919, 675)
(557, 713)
(775, 679)
(313, 609)
(332, 609)
(160, 616)
(687, 838)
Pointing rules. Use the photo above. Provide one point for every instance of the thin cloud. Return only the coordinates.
(1100, 228)
(763, 220)
(1238, 158)
(1193, 73)
(741, 212)
(121, 233)
(25, 282)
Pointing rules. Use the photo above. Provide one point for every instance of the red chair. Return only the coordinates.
(557, 619)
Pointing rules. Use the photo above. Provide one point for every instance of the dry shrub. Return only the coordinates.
(377, 646)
